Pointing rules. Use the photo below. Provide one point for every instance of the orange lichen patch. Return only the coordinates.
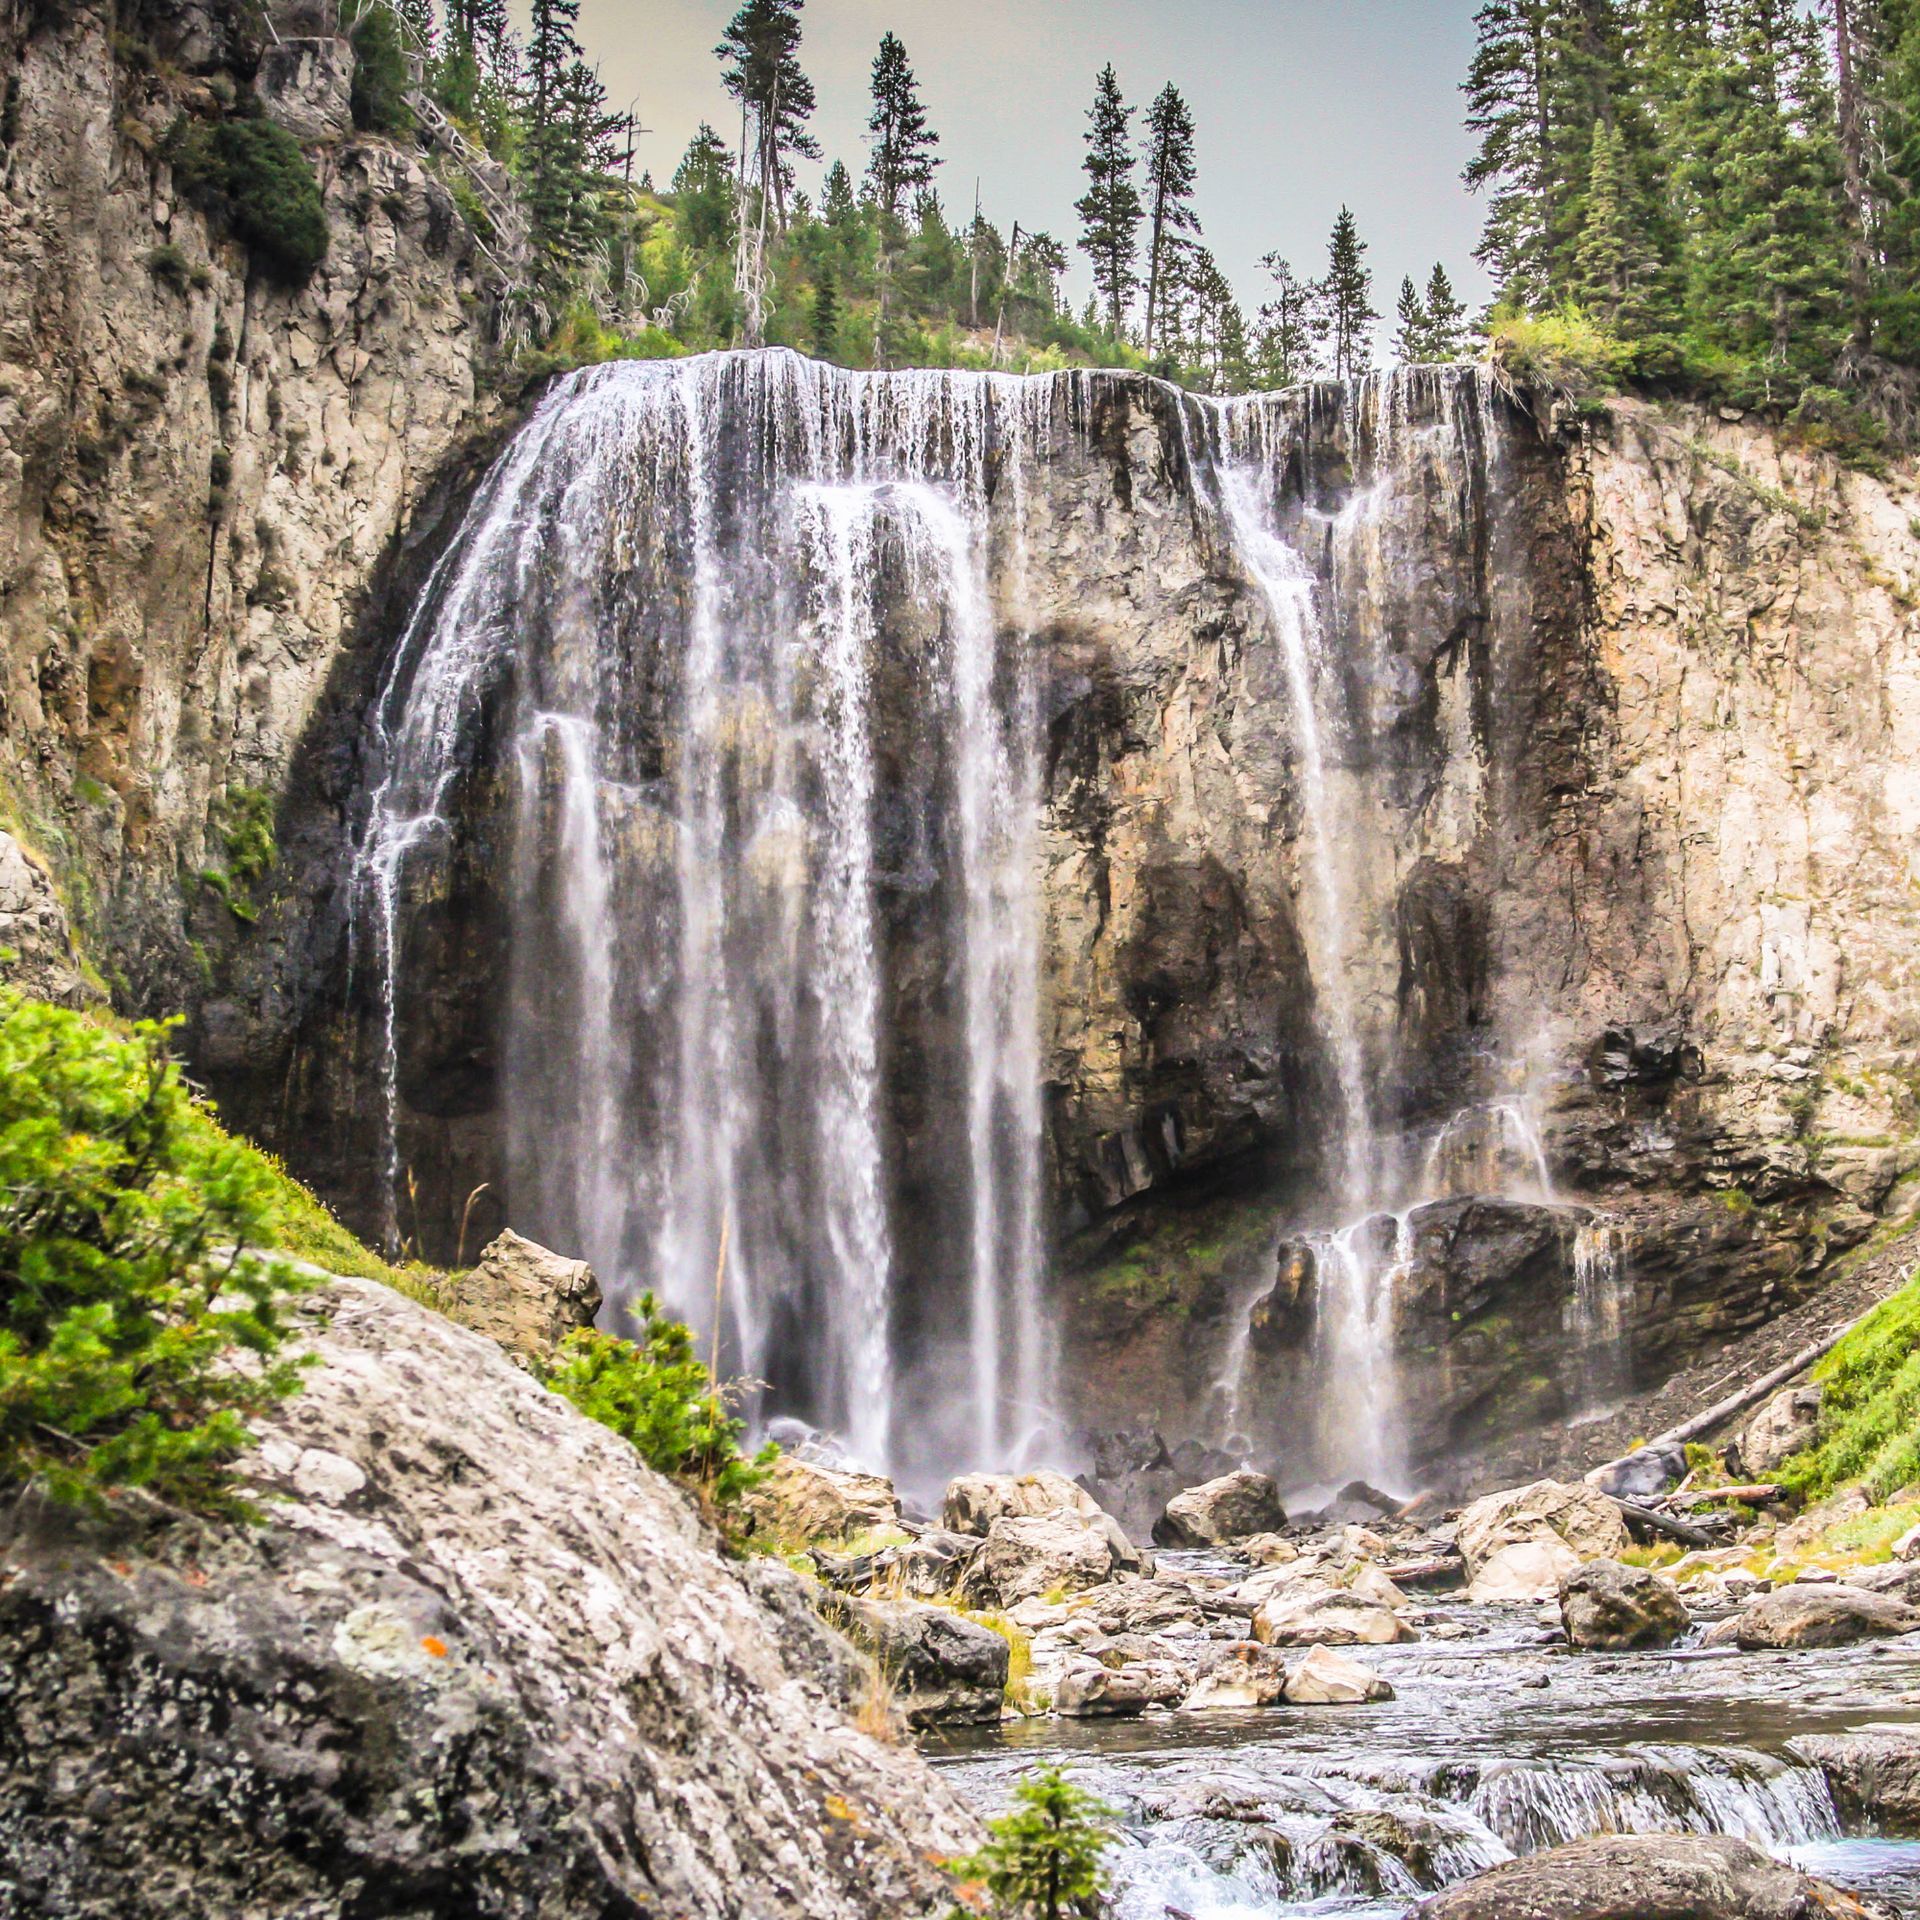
(841, 1808)
(434, 1645)
(120, 1567)
(194, 1577)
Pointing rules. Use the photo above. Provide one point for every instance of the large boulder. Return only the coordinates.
(1088, 1691)
(976, 1500)
(1640, 1877)
(801, 1502)
(476, 1659)
(1608, 1608)
(1236, 1506)
(1789, 1423)
(1326, 1678)
(1526, 1571)
(1874, 1773)
(1644, 1474)
(528, 1298)
(1029, 1556)
(1821, 1616)
(1242, 1675)
(946, 1670)
(1579, 1516)
(1326, 1616)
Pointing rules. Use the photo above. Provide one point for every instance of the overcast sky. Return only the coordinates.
(1300, 105)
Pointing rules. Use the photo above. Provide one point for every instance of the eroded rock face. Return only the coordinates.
(1874, 1774)
(479, 1656)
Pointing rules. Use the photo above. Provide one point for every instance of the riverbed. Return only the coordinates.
(1493, 1745)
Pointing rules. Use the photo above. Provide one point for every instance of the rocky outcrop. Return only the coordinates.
(1788, 1424)
(802, 1502)
(943, 1669)
(477, 1656)
(1574, 1515)
(1819, 1616)
(527, 1297)
(1874, 1774)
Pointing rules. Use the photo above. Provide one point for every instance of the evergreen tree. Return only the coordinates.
(1347, 295)
(1887, 57)
(1411, 335)
(1506, 89)
(825, 317)
(1616, 270)
(1171, 173)
(1110, 209)
(838, 207)
(566, 139)
(903, 157)
(703, 188)
(1043, 1859)
(1447, 335)
(1292, 327)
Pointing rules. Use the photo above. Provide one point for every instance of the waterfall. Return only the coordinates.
(673, 611)
(1596, 1317)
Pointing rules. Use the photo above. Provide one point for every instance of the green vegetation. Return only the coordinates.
(139, 1330)
(1043, 1861)
(1870, 1417)
(254, 173)
(656, 1394)
(380, 76)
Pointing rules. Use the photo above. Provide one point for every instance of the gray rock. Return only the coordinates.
(1608, 1608)
(1547, 1511)
(1639, 1877)
(1233, 1507)
(801, 1502)
(1835, 1616)
(1028, 1556)
(946, 1670)
(1874, 1773)
(1326, 1678)
(1644, 1474)
(974, 1501)
(1239, 1676)
(1322, 1616)
(1097, 1692)
(306, 86)
(508, 1673)
(1789, 1423)
(526, 1297)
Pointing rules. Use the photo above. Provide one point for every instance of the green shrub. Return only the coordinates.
(167, 263)
(1043, 1861)
(255, 172)
(655, 1393)
(1566, 352)
(1870, 1412)
(244, 816)
(380, 76)
(135, 1340)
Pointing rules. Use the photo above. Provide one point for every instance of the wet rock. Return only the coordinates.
(527, 1297)
(931, 1566)
(1369, 1583)
(1789, 1423)
(1640, 1877)
(1028, 1556)
(1237, 1506)
(1329, 1679)
(1329, 1617)
(1833, 1616)
(1874, 1773)
(1577, 1515)
(1528, 1570)
(975, 1501)
(1094, 1692)
(1644, 1474)
(946, 1670)
(1608, 1608)
(506, 1673)
(1243, 1675)
(801, 1502)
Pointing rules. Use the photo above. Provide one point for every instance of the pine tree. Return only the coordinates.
(1043, 1859)
(703, 189)
(1615, 268)
(1347, 293)
(1110, 208)
(1506, 89)
(1447, 334)
(838, 207)
(1410, 341)
(825, 317)
(1292, 328)
(1171, 173)
(903, 157)
(566, 137)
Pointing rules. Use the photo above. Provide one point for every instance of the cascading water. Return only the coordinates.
(676, 600)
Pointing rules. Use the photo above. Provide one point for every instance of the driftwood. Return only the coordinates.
(1645, 1520)
(1706, 1496)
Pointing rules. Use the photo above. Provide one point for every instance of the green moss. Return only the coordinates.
(1735, 1200)
(1870, 1415)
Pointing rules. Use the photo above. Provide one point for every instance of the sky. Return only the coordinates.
(1300, 106)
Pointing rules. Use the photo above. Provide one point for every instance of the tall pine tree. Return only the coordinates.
(1347, 299)
(903, 144)
(1171, 173)
(1109, 210)
(1292, 327)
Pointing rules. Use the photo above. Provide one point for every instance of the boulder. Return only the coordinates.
(1329, 1679)
(1242, 1675)
(1237, 1506)
(1327, 1616)
(1644, 1474)
(526, 1297)
(500, 1667)
(1529, 1570)
(1369, 1583)
(1874, 1773)
(1833, 1616)
(1789, 1423)
(931, 1566)
(946, 1670)
(1898, 1579)
(1608, 1608)
(976, 1500)
(1579, 1516)
(801, 1502)
(306, 86)
(1640, 1877)
(1088, 1691)
(1028, 1556)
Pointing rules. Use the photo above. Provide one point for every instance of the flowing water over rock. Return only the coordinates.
(1359, 1811)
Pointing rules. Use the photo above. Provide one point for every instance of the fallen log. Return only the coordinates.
(1706, 1496)
(1645, 1520)
(1428, 1573)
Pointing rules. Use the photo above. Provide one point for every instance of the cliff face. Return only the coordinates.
(200, 470)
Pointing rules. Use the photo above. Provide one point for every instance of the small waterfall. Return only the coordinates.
(669, 613)
(1597, 1314)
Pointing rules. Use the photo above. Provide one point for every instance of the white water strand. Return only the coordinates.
(1597, 1312)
